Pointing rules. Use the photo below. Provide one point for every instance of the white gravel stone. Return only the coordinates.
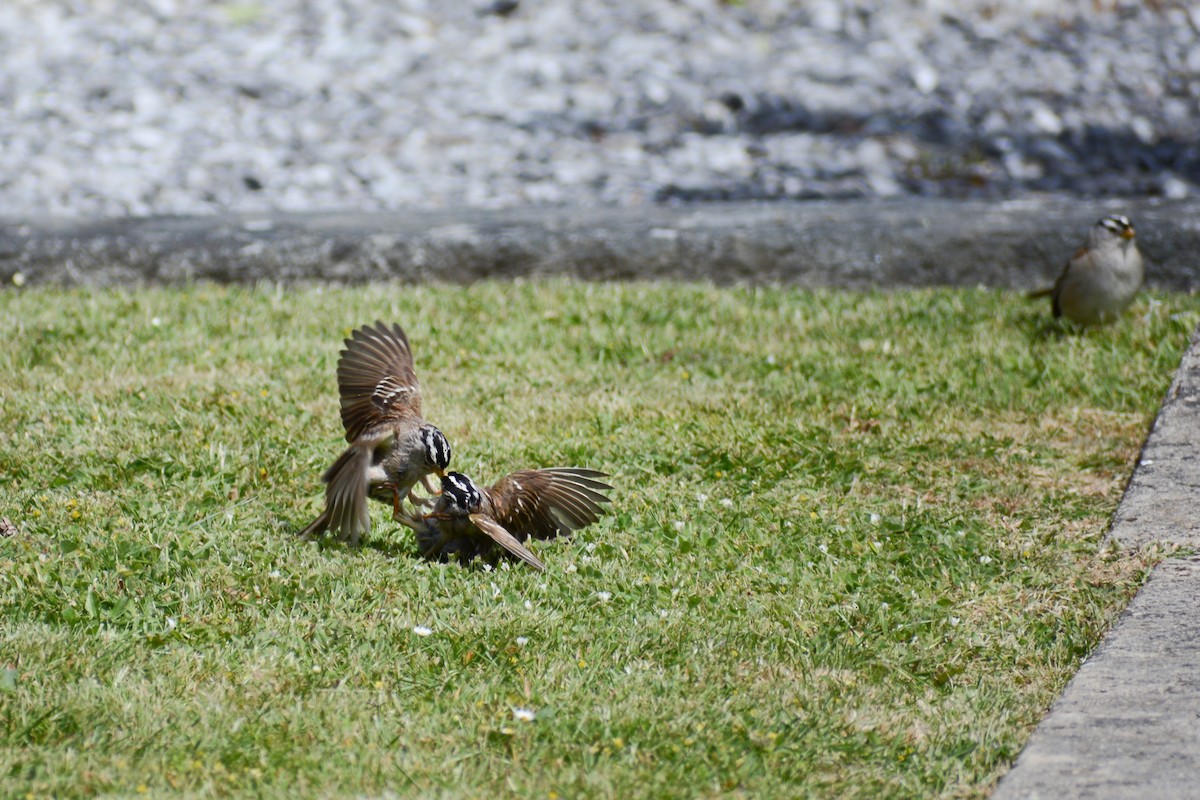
(185, 106)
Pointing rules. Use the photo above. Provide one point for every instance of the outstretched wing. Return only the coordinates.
(376, 379)
(544, 503)
(502, 537)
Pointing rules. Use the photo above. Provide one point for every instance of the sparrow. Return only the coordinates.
(391, 445)
(1103, 276)
(469, 520)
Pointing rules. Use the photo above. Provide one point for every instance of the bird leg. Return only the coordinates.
(408, 521)
(398, 514)
(403, 517)
(418, 501)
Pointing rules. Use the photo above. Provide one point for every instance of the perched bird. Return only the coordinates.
(1100, 280)
(391, 445)
(469, 520)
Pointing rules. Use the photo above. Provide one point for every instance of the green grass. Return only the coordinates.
(853, 552)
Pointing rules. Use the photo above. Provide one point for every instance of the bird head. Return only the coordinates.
(461, 491)
(1113, 228)
(437, 450)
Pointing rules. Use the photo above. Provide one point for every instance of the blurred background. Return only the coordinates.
(119, 107)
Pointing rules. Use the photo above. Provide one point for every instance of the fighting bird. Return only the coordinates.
(469, 520)
(391, 447)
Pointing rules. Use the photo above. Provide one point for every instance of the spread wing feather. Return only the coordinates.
(376, 379)
(502, 537)
(544, 503)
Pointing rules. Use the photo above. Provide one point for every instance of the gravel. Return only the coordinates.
(118, 107)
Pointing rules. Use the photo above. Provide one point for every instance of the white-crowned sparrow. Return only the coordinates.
(1101, 279)
(469, 520)
(391, 445)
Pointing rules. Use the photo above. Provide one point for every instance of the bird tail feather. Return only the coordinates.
(345, 497)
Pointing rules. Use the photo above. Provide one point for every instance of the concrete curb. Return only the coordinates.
(860, 244)
(1162, 501)
(1128, 723)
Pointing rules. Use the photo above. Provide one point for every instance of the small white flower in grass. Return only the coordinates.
(18, 279)
(155, 321)
(875, 518)
(569, 568)
(274, 573)
(529, 605)
(524, 714)
(771, 358)
(421, 630)
(954, 622)
(725, 501)
(522, 641)
(679, 525)
(591, 547)
(985, 559)
(884, 606)
(171, 623)
(824, 548)
(316, 668)
(604, 596)
(701, 497)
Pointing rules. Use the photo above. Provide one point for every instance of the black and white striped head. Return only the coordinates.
(437, 449)
(462, 492)
(1114, 227)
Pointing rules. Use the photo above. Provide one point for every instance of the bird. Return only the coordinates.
(468, 520)
(1101, 279)
(391, 445)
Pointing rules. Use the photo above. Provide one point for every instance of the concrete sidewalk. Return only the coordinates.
(1128, 724)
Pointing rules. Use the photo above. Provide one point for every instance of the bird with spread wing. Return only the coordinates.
(391, 447)
(469, 520)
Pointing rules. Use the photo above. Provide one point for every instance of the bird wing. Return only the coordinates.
(544, 503)
(1081, 261)
(376, 379)
(497, 533)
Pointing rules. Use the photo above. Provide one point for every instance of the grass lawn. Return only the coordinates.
(853, 549)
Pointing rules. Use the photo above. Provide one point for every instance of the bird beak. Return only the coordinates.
(441, 473)
(1128, 233)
